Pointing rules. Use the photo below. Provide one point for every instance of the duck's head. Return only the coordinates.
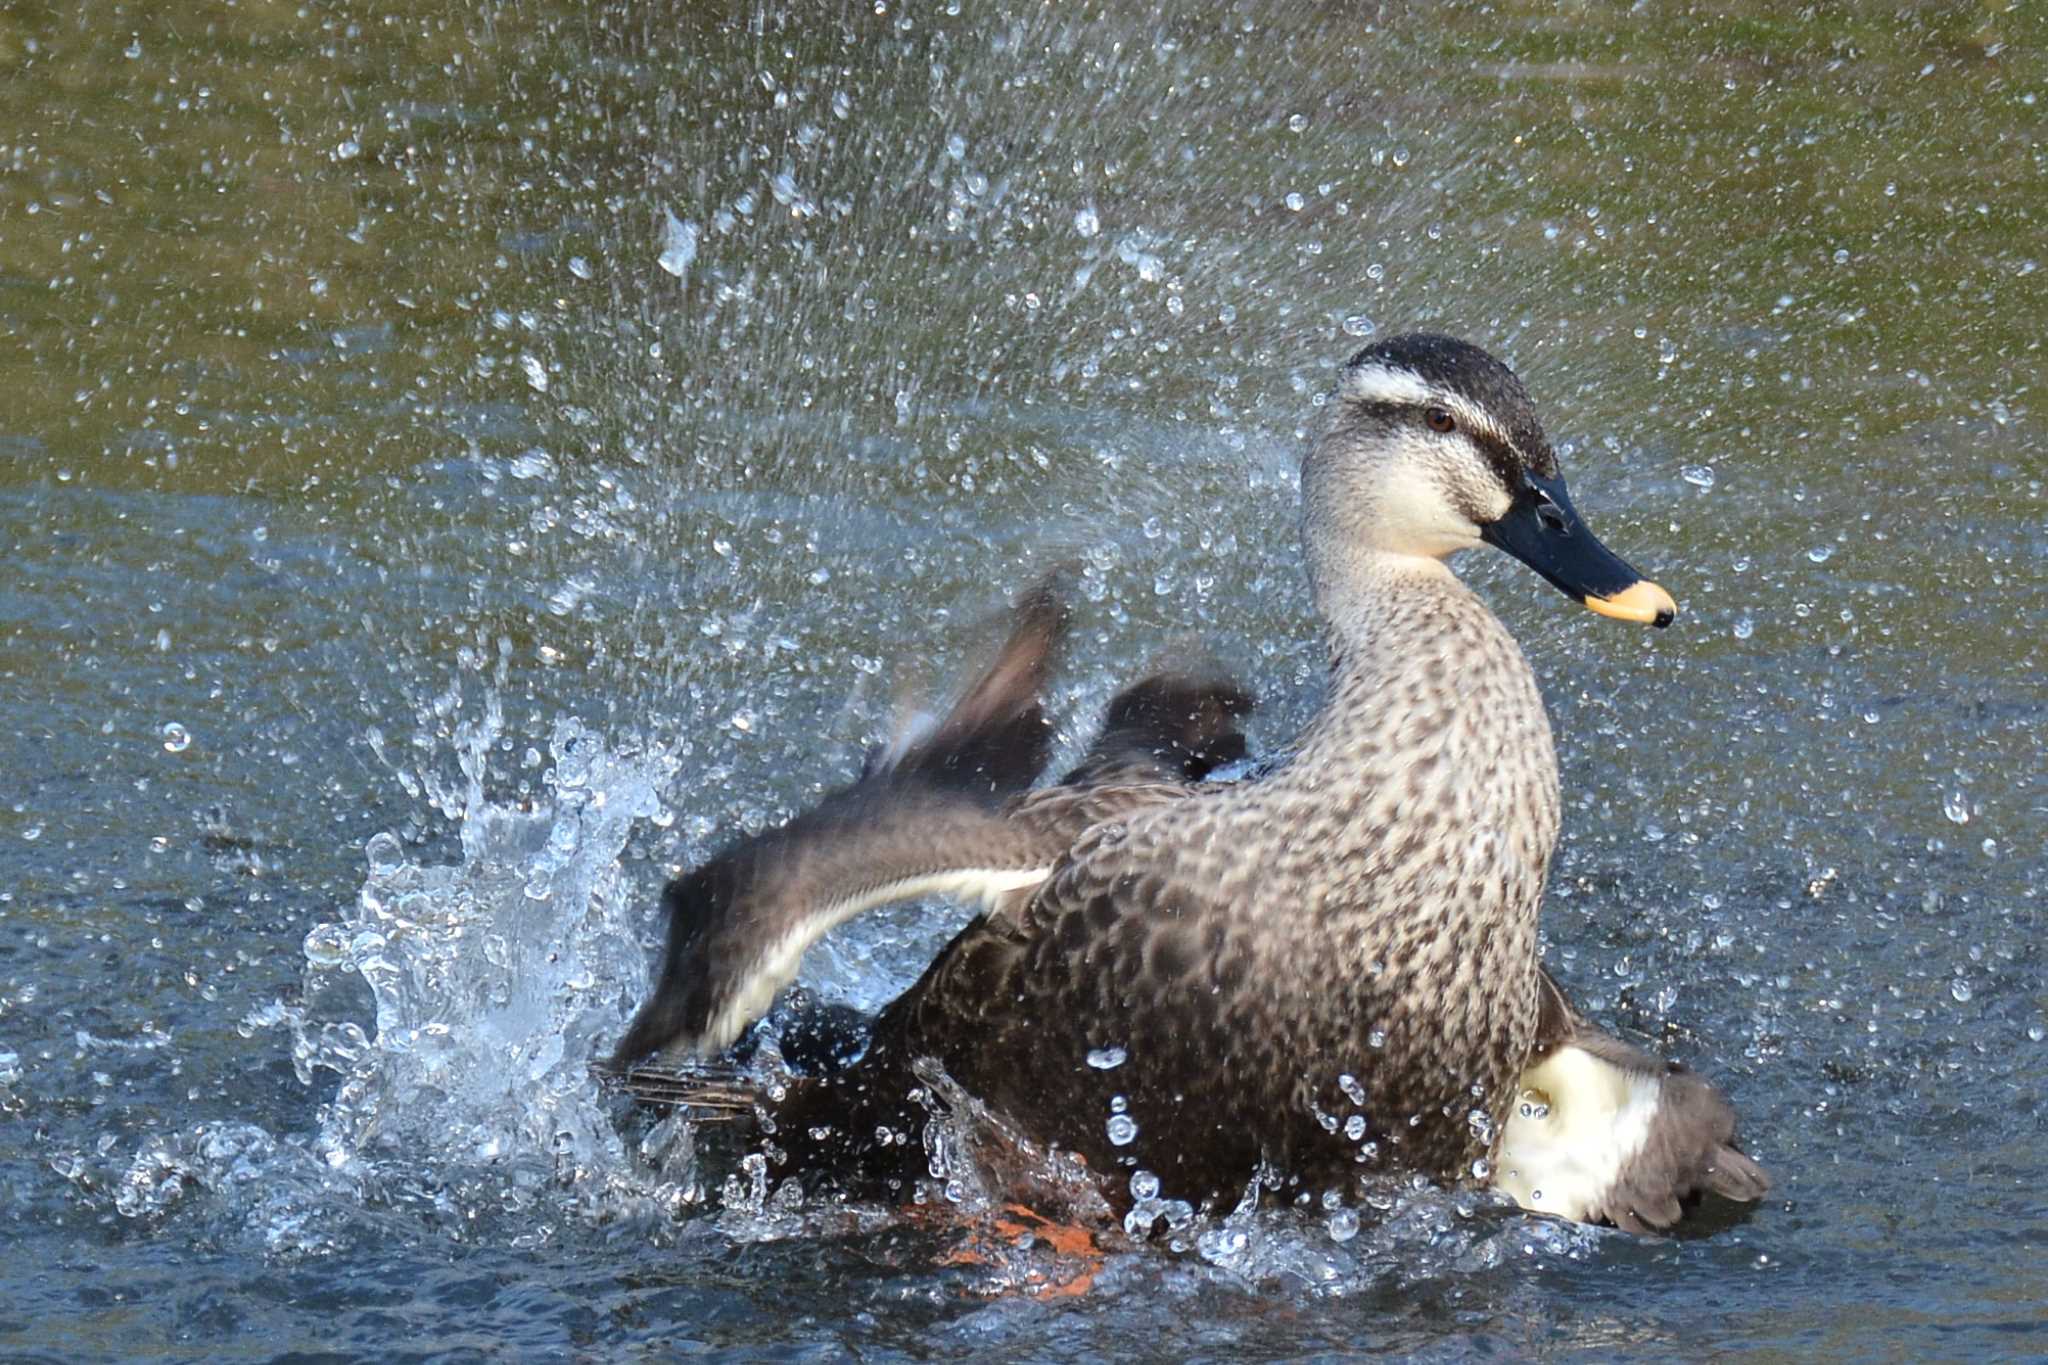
(1434, 447)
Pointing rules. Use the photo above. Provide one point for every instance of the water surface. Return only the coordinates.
(459, 464)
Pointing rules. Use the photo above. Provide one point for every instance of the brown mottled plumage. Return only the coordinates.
(1328, 969)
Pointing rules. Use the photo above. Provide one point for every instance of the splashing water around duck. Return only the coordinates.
(493, 978)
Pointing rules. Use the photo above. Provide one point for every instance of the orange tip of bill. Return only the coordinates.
(1641, 601)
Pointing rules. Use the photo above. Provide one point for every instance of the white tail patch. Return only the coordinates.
(1578, 1121)
(775, 966)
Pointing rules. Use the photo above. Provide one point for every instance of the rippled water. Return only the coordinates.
(457, 466)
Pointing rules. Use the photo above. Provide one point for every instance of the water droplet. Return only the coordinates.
(1960, 989)
(531, 464)
(2037, 1032)
(326, 946)
(1534, 1104)
(177, 739)
(32, 833)
(1820, 554)
(133, 50)
(1744, 628)
(1297, 123)
(384, 853)
(782, 185)
(1131, 251)
(1354, 1127)
(536, 373)
(1698, 475)
(1217, 1244)
(1376, 1039)
(1122, 1129)
(1353, 1091)
(348, 149)
(1481, 1169)
(1086, 223)
(1107, 1058)
(1359, 325)
(1343, 1225)
(678, 245)
(1144, 1185)
(580, 268)
(1294, 201)
(1956, 806)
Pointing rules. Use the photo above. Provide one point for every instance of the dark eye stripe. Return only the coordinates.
(1507, 465)
(1500, 455)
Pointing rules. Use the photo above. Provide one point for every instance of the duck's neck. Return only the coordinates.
(1424, 807)
(1433, 759)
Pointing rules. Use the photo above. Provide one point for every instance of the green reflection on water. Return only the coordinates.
(250, 247)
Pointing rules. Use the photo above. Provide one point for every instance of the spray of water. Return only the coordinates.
(493, 981)
(466, 1104)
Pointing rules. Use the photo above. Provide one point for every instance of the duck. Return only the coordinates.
(1324, 972)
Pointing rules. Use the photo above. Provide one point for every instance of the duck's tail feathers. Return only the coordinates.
(1603, 1131)
(926, 820)
(1687, 1145)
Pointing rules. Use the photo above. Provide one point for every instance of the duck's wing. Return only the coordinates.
(1159, 740)
(1603, 1131)
(1120, 1012)
(1175, 725)
(929, 819)
(1155, 733)
(941, 813)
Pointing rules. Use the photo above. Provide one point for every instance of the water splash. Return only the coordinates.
(495, 982)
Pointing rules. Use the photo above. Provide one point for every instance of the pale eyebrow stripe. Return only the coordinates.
(1474, 420)
(1395, 386)
(1387, 384)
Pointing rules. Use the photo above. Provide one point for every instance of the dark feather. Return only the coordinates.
(938, 805)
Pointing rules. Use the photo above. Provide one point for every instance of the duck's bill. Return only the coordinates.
(1544, 531)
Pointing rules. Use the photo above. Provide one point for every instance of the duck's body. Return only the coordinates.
(1363, 915)
(1325, 971)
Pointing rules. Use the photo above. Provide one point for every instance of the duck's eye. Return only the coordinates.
(1439, 420)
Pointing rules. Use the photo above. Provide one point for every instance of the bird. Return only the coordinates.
(1323, 972)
